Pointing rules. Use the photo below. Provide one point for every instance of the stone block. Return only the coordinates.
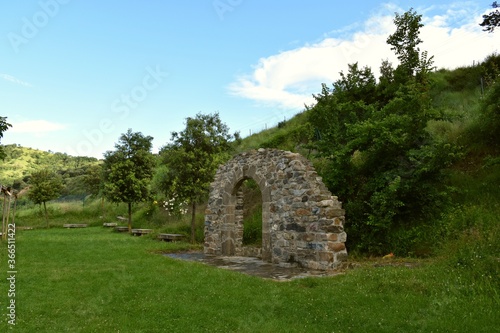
(337, 221)
(336, 247)
(312, 227)
(295, 227)
(332, 237)
(325, 256)
(341, 256)
(302, 212)
(326, 203)
(334, 229)
(333, 212)
(321, 237)
(316, 246)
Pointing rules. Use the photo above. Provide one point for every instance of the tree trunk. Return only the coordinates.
(193, 221)
(8, 213)
(14, 211)
(102, 207)
(4, 226)
(129, 217)
(46, 214)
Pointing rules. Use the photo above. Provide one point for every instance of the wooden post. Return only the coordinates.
(14, 210)
(4, 231)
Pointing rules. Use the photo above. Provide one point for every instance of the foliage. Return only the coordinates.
(383, 163)
(490, 116)
(252, 228)
(192, 158)
(128, 170)
(405, 40)
(45, 185)
(4, 125)
(93, 179)
(491, 20)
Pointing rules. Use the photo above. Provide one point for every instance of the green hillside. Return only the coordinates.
(20, 162)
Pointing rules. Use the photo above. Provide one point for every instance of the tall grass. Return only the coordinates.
(95, 212)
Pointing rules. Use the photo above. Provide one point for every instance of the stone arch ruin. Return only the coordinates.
(302, 223)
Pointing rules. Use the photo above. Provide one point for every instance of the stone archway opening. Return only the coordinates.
(302, 223)
(251, 213)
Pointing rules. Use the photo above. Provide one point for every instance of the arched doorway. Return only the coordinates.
(302, 223)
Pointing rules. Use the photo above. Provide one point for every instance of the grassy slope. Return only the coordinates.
(94, 280)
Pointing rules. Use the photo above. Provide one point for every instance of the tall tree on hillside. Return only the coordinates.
(128, 170)
(376, 154)
(44, 185)
(4, 125)
(405, 43)
(192, 158)
(491, 20)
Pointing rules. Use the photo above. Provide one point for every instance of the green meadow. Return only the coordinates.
(96, 280)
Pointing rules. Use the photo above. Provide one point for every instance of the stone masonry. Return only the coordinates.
(302, 223)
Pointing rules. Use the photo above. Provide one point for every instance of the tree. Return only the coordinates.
(4, 125)
(192, 158)
(128, 170)
(491, 20)
(376, 153)
(404, 42)
(45, 185)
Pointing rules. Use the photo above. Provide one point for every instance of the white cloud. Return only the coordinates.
(287, 80)
(36, 127)
(15, 80)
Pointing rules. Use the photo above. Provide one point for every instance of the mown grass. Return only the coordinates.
(95, 280)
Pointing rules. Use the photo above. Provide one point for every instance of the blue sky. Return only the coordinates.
(75, 75)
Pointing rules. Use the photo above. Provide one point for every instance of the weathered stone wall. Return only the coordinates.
(302, 223)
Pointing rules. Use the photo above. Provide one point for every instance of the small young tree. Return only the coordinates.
(45, 185)
(192, 159)
(128, 170)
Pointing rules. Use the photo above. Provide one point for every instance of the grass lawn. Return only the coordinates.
(95, 280)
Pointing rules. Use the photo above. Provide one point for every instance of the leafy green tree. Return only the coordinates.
(380, 159)
(191, 160)
(491, 20)
(414, 65)
(128, 170)
(4, 125)
(45, 185)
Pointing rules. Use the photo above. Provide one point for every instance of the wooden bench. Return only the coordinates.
(24, 228)
(140, 232)
(121, 229)
(75, 225)
(170, 237)
(109, 225)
